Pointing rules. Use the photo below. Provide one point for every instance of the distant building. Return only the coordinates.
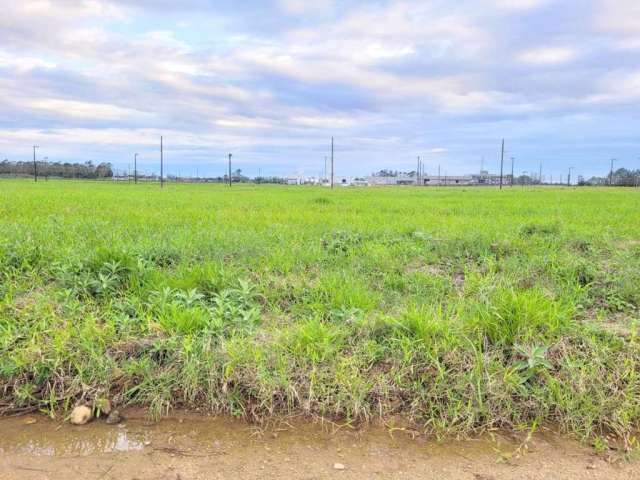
(483, 178)
(486, 178)
(447, 180)
(388, 178)
(344, 181)
(397, 179)
(360, 182)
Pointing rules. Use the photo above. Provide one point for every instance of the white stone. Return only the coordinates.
(80, 415)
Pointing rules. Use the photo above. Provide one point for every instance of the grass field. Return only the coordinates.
(456, 309)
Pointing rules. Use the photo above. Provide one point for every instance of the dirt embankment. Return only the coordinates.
(193, 447)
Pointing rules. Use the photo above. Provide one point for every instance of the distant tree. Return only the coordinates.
(524, 180)
(385, 173)
(621, 177)
(104, 170)
(57, 169)
(624, 177)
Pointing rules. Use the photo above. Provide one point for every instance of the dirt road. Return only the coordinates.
(194, 447)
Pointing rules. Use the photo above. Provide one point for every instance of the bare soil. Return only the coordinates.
(188, 446)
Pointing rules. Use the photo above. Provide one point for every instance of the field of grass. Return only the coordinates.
(456, 309)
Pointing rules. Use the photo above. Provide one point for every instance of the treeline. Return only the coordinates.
(57, 169)
(394, 173)
(621, 177)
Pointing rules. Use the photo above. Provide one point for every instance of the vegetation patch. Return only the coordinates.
(460, 310)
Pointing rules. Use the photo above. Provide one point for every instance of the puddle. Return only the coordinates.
(192, 446)
(45, 437)
(48, 438)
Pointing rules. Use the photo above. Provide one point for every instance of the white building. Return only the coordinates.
(400, 179)
(447, 180)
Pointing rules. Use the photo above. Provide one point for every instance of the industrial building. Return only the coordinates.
(482, 178)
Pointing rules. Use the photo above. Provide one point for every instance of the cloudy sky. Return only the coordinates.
(273, 80)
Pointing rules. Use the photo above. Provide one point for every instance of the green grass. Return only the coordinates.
(457, 309)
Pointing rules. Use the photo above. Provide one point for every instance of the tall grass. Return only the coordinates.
(458, 309)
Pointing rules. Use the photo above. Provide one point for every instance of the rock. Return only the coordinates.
(339, 466)
(114, 417)
(80, 415)
(30, 421)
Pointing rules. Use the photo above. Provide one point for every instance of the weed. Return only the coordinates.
(341, 241)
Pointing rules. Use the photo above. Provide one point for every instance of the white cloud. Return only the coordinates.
(618, 16)
(77, 109)
(23, 64)
(300, 7)
(517, 4)
(548, 55)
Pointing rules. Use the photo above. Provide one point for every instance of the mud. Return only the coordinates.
(195, 447)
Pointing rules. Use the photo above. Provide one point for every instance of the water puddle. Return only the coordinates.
(48, 438)
(191, 446)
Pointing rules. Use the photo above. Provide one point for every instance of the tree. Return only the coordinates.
(57, 169)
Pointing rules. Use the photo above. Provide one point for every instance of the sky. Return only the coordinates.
(272, 81)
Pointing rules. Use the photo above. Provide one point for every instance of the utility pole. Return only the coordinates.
(540, 174)
(332, 164)
(35, 165)
(325, 168)
(439, 178)
(418, 173)
(161, 164)
(230, 155)
(135, 169)
(569, 177)
(46, 169)
(501, 164)
(611, 172)
(512, 164)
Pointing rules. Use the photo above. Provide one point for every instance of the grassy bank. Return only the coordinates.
(457, 309)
